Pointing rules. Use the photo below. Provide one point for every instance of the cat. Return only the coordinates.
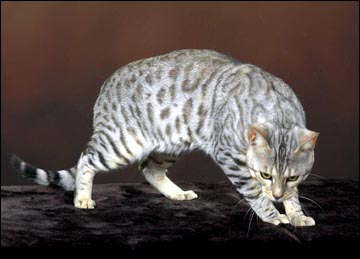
(154, 110)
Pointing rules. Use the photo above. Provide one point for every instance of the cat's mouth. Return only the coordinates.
(277, 200)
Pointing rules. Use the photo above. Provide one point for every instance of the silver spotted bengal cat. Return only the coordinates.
(154, 110)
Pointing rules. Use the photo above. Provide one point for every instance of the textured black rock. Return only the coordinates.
(135, 217)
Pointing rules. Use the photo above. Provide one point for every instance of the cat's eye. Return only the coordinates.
(293, 178)
(265, 175)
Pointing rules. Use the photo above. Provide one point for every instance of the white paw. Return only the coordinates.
(186, 195)
(84, 203)
(281, 218)
(302, 220)
(190, 195)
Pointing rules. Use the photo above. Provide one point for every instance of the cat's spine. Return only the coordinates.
(63, 178)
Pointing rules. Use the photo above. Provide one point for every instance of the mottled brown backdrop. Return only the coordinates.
(55, 56)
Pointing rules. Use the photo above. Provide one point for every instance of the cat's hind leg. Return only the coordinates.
(154, 168)
(85, 173)
(92, 161)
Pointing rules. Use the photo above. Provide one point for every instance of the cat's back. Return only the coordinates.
(176, 73)
(207, 78)
(180, 61)
(185, 56)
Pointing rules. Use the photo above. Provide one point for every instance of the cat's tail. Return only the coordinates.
(63, 178)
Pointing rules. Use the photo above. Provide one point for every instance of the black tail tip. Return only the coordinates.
(15, 161)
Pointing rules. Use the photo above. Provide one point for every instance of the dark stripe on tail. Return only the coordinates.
(64, 179)
(22, 167)
(54, 179)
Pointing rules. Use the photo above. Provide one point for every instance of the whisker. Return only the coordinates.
(317, 204)
(319, 176)
(251, 217)
(304, 208)
(303, 230)
(246, 214)
(237, 204)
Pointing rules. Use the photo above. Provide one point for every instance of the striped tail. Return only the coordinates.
(64, 178)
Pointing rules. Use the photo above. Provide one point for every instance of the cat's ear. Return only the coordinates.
(258, 136)
(306, 140)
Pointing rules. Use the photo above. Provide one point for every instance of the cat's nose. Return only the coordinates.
(277, 195)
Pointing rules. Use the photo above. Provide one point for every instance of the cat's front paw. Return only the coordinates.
(84, 203)
(281, 218)
(301, 221)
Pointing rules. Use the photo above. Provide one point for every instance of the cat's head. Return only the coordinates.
(280, 159)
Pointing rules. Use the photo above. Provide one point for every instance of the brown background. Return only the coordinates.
(55, 56)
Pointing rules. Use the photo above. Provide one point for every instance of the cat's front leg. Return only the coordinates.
(294, 211)
(264, 208)
(250, 188)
